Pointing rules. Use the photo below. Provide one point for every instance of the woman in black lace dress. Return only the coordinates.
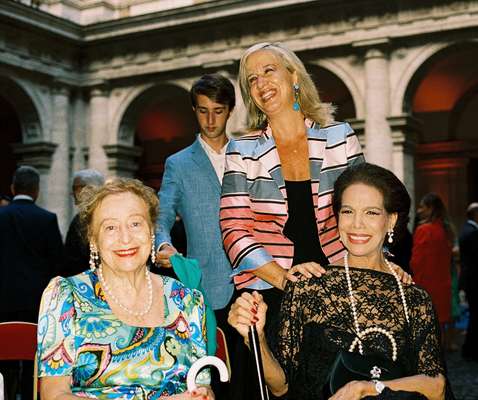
(358, 297)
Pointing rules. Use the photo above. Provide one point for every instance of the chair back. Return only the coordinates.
(221, 351)
(19, 342)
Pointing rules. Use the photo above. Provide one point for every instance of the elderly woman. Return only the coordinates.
(360, 298)
(117, 331)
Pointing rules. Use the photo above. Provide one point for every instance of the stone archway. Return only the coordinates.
(10, 133)
(333, 90)
(162, 122)
(443, 95)
(20, 124)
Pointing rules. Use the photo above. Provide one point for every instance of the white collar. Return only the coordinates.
(23, 197)
(475, 224)
(209, 149)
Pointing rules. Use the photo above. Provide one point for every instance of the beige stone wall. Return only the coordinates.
(82, 86)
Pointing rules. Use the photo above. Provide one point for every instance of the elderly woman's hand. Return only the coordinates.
(247, 310)
(200, 393)
(307, 269)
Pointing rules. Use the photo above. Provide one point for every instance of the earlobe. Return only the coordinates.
(393, 220)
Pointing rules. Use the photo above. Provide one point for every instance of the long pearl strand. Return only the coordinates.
(149, 285)
(361, 334)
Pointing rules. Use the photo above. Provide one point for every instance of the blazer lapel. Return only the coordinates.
(267, 154)
(315, 153)
(202, 160)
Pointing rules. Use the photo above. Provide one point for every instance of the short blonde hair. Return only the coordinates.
(309, 99)
(92, 196)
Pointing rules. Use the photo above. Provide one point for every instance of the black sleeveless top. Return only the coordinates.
(301, 227)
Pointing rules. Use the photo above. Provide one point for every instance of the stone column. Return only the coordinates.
(98, 129)
(405, 131)
(79, 132)
(378, 140)
(58, 198)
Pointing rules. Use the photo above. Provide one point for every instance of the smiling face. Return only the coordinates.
(121, 232)
(270, 82)
(212, 117)
(363, 223)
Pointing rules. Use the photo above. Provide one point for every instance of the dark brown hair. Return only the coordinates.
(395, 196)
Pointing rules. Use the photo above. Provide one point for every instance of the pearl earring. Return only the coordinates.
(153, 249)
(390, 236)
(94, 257)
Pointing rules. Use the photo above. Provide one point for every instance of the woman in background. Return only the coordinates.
(432, 254)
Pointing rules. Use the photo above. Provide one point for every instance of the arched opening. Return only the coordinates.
(333, 90)
(11, 132)
(163, 123)
(443, 95)
(18, 119)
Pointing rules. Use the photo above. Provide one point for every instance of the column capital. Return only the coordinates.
(122, 159)
(383, 42)
(102, 89)
(38, 154)
(374, 48)
(60, 88)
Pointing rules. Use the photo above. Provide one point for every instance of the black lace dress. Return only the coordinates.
(316, 322)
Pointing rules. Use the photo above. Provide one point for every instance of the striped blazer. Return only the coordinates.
(254, 199)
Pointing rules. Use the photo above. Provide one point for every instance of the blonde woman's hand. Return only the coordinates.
(405, 277)
(247, 310)
(354, 390)
(307, 269)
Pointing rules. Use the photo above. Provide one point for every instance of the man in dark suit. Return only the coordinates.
(469, 262)
(77, 252)
(31, 252)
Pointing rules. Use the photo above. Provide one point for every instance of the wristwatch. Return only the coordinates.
(379, 386)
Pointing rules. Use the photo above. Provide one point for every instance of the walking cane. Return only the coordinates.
(256, 352)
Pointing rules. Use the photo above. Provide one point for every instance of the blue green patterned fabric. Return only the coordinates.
(79, 336)
(189, 273)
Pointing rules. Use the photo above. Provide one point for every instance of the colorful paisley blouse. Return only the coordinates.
(79, 336)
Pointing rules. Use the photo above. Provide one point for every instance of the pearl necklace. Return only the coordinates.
(121, 305)
(361, 334)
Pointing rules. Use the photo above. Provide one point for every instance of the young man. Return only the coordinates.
(191, 188)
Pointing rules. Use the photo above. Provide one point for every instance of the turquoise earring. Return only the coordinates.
(296, 105)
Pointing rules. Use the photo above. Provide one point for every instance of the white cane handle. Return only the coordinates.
(1, 387)
(200, 364)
